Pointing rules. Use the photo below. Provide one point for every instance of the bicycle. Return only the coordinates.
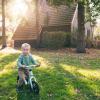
(31, 80)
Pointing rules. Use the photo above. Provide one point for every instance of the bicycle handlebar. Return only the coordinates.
(30, 66)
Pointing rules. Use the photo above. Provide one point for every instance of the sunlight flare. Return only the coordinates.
(19, 8)
(8, 68)
(88, 73)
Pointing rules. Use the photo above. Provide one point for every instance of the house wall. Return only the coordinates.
(74, 27)
(74, 23)
(88, 35)
(57, 16)
(88, 30)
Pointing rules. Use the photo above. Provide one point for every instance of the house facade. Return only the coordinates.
(45, 18)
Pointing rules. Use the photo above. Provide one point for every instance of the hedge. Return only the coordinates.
(55, 40)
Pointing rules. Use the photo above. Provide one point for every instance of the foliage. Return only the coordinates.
(89, 42)
(0, 40)
(97, 37)
(54, 40)
(59, 2)
(74, 38)
(92, 10)
(96, 42)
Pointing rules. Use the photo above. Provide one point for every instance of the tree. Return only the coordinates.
(3, 25)
(93, 10)
(81, 28)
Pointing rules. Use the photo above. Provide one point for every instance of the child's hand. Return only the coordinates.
(23, 66)
(38, 65)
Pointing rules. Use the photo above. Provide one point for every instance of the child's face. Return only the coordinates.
(25, 51)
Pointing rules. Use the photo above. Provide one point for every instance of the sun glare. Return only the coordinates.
(18, 8)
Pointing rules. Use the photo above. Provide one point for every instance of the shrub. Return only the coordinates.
(89, 42)
(55, 40)
(0, 40)
(68, 40)
(97, 37)
(74, 37)
(96, 42)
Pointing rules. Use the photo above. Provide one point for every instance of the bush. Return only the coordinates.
(0, 40)
(74, 38)
(97, 37)
(88, 42)
(54, 40)
(96, 42)
(68, 40)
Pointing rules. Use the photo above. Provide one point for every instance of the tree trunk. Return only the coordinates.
(37, 23)
(81, 28)
(3, 25)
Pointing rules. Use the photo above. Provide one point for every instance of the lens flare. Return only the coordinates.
(18, 8)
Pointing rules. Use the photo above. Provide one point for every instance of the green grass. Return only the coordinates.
(61, 76)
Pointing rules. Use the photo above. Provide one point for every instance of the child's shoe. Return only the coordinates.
(25, 82)
(19, 88)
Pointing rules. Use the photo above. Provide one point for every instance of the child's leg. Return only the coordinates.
(26, 72)
(21, 76)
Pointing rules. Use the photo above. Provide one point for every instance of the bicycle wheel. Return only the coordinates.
(35, 87)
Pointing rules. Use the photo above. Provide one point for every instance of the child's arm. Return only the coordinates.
(19, 62)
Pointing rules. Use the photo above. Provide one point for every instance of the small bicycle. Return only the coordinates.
(31, 80)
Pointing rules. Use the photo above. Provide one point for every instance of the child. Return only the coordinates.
(25, 59)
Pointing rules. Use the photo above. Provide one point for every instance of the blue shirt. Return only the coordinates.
(26, 60)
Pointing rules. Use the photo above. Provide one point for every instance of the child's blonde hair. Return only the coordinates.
(26, 45)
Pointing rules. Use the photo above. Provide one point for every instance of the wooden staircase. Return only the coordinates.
(60, 18)
(26, 30)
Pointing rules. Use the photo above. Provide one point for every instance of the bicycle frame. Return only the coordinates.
(31, 77)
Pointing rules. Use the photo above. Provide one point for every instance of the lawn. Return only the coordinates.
(63, 75)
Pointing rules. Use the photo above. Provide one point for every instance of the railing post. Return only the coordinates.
(37, 23)
(3, 25)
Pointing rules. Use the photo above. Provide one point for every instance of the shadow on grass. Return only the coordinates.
(84, 88)
(27, 96)
(78, 61)
(8, 89)
(58, 84)
(6, 60)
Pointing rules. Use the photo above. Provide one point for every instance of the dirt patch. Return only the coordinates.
(8, 50)
(90, 53)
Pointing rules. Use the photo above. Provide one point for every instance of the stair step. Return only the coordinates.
(21, 38)
(25, 37)
(26, 31)
(24, 34)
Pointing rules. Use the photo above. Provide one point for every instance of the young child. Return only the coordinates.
(25, 59)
